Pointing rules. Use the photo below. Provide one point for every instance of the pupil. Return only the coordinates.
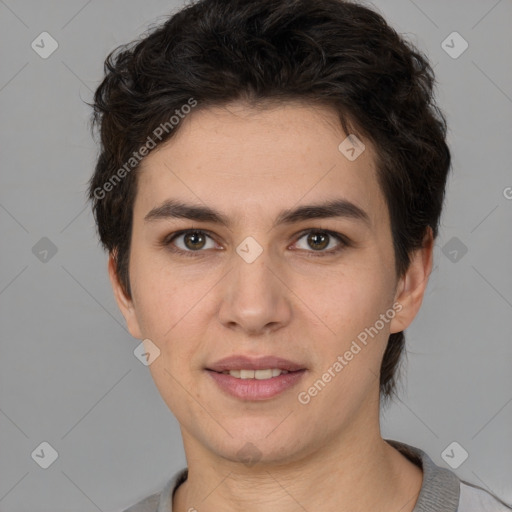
(195, 235)
(313, 239)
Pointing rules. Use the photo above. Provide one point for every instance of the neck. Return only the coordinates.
(348, 473)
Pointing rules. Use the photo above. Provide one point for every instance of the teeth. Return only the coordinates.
(255, 374)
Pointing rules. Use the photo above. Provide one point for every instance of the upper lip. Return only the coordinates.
(240, 362)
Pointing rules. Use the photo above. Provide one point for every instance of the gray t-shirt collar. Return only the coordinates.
(440, 489)
(439, 492)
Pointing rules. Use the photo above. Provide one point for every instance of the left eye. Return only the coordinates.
(319, 241)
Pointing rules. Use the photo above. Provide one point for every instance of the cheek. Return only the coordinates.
(162, 298)
(170, 305)
(348, 301)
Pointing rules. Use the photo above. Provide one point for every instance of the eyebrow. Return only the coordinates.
(174, 209)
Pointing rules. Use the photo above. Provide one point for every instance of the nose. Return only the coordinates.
(255, 298)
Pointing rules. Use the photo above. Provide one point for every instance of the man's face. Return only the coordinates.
(297, 299)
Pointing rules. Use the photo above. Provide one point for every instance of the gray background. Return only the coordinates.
(68, 373)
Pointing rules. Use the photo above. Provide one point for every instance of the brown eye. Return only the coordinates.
(189, 242)
(194, 240)
(318, 240)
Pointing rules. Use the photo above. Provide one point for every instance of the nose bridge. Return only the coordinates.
(254, 298)
(252, 274)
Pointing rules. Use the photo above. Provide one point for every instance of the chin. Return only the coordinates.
(261, 447)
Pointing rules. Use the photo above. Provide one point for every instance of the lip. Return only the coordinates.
(254, 389)
(241, 362)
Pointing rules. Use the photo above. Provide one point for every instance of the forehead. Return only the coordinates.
(241, 160)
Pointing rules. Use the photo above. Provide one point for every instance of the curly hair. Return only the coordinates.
(327, 52)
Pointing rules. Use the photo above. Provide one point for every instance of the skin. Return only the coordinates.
(250, 165)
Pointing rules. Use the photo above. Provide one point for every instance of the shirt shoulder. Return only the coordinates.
(149, 504)
(162, 501)
(443, 490)
(476, 499)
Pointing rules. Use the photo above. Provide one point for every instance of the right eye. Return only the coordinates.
(190, 241)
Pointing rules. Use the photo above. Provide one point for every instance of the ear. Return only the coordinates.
(411, 287)
(124, 302)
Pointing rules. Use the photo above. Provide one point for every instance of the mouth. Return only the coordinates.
(255, 378)
(255, 385)
(268, 373)
(246, 364)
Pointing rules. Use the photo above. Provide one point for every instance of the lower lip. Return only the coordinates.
(254, 389)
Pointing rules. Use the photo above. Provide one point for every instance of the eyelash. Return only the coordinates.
(343, 240)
